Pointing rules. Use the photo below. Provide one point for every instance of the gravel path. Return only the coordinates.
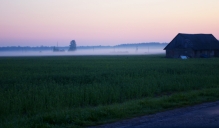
(203, 115)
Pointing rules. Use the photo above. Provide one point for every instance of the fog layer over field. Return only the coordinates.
(78, 52)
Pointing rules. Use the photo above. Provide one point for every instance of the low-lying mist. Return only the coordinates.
(82, 52)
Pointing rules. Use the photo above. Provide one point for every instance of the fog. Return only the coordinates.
(87, 52)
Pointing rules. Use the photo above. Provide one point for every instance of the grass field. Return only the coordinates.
(77, 91)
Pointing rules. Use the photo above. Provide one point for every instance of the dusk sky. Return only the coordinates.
(103, 22)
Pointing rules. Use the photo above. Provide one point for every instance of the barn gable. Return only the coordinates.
(193, 45)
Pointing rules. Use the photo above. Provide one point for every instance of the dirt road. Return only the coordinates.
(203, 115)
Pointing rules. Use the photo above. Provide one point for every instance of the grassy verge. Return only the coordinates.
(90, 116)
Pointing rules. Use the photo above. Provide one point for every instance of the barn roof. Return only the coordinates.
(194, 41)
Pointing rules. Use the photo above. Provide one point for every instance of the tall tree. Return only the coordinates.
(72, 46)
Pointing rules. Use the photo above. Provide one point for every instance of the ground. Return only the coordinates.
(203, 115)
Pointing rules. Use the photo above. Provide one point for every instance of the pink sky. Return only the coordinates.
(103, 22)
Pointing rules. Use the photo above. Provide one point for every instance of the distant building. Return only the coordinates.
(56, 49)
(72, 46)
(193, 45)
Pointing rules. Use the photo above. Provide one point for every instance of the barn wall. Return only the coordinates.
(216, 53)
(169, 53)
(209, 53)
(176, 53)
(197, 54)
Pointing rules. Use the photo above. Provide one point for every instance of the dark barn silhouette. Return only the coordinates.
(193, 45)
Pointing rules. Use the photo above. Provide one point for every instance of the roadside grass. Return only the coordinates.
(84, 91)
(91, 116)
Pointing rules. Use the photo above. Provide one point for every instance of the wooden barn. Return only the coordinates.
(193, 45)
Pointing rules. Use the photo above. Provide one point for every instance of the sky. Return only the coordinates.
(103, 22)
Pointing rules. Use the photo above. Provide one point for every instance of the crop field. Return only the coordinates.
(77, 91)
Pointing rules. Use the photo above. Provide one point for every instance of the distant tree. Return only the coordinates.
(72, 46)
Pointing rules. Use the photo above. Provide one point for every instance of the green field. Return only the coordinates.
(78, 91)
